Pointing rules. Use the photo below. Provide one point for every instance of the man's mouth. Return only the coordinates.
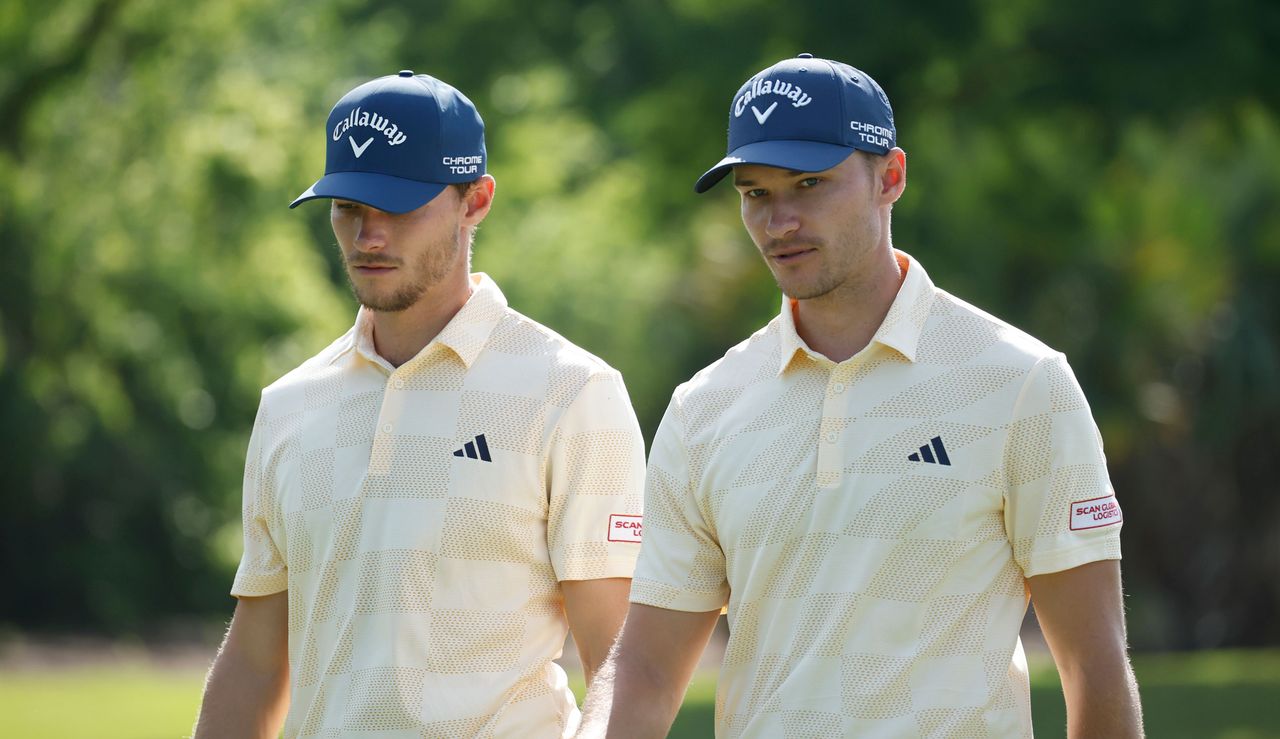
(791, 253)
(372, 268)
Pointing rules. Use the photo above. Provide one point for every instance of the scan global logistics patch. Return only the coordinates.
(623, 527)
(1095, 513)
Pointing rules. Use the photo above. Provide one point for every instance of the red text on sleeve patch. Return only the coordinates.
(1095, 513)
(623, 527)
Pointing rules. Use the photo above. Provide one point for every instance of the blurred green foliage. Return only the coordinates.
(1105, 176)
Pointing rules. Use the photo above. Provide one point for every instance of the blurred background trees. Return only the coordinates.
(1104, 176)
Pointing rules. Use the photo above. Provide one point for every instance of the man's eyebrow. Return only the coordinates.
(747, 183)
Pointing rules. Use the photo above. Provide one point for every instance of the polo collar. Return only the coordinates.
(900, 329)
(466, 334)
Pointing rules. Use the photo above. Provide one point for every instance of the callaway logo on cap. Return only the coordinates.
(395, 142)
(804, 114)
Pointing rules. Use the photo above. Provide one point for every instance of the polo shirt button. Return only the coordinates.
(386, 428)
(831, 437)
(399, 384)
(838, 387)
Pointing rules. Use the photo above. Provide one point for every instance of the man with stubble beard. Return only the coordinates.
(434, 500)
(874, 483)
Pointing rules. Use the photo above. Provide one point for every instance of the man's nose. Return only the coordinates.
(783, 221)
(373, 230)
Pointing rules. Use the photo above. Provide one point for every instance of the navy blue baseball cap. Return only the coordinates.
(805, 114)
(395, 142)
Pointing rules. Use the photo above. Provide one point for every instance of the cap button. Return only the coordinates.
(406, 73)
(805, 55)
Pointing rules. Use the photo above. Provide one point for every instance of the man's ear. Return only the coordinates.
(893, 178)
(478, 200)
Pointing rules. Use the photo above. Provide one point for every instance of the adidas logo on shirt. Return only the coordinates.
(937, 454)
(478, 449)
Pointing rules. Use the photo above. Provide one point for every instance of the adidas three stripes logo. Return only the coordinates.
(478, 449)
(935, 454)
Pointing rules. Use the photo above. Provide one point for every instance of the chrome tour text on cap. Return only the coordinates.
(804, 114)
(395, 142)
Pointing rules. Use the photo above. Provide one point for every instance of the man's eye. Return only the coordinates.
(756, 192)
(810, 181)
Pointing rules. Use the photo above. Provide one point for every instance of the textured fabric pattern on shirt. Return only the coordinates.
(423, 585)
(870, 524)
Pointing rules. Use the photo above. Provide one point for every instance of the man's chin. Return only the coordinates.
(387, 303)
(794, 289)
(387, 307)
(804, 292)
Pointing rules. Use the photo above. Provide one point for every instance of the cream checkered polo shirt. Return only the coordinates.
(421, 518)
(871, 523)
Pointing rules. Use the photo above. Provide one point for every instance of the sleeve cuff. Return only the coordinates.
(660, 595)
(1066, 559)
(253, 586)
(601, 569)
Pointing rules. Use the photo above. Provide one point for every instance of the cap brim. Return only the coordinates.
(801, 156)
(384, 192)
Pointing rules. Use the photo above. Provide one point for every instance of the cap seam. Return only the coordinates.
(383, 174)
(844, 102)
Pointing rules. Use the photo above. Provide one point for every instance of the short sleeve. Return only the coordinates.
(595, 468)
(1060, 508)
(262, 568)
(682, 566)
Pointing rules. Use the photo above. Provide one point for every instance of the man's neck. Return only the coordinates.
(399, 336)
(841, 323)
